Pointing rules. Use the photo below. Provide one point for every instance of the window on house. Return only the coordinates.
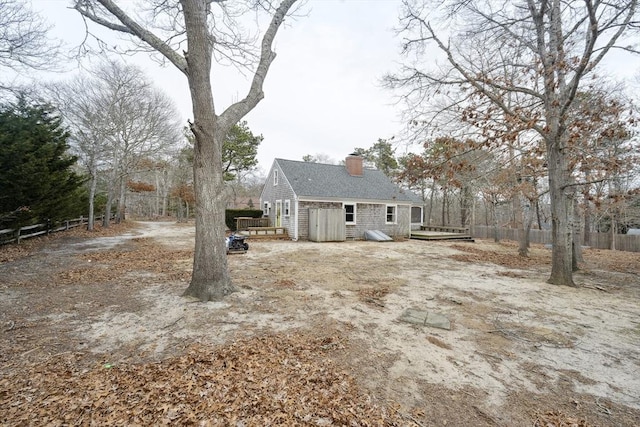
(349, 213)
(275, 177)
(287, 207)
(391, 214)
(265, 209)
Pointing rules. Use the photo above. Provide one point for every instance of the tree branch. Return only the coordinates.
(238, 110)
(129, 26)
(475, 82)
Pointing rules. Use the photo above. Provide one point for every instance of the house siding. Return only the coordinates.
(373, 217)
(369, 216)
(282, 192)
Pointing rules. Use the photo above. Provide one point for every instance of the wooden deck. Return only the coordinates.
(442, 233)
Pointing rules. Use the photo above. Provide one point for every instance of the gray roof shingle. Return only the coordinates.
(333, 181)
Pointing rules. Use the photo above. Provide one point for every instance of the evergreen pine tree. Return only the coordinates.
(37, 181)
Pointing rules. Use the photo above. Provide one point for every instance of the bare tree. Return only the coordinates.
(553, 44)
(141, 122)
(117, 119)
(198, 24)
(76, 101)
(23, 39)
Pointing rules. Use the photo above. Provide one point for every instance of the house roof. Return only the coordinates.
(333, 181)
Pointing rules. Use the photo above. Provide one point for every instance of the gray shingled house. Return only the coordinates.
(368, 199)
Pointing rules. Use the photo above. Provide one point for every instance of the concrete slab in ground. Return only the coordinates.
(425, 318)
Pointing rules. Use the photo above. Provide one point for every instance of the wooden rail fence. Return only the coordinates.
(10, 235)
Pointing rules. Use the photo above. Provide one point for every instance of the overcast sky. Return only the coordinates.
(323, 92)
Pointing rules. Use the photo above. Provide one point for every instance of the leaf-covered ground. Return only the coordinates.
(94, 333)
(285, 379)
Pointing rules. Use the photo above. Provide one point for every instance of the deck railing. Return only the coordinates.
(244, 222)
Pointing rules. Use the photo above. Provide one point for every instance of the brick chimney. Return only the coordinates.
(353, 163)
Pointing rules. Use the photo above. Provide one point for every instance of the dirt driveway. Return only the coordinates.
(88, 323)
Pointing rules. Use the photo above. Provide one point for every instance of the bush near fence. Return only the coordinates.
(10, 235)
(624, 242)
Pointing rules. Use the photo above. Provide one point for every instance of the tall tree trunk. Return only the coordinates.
(472, 223)
(210, 278)
(612, 230)
(538, 216)
(494, 212)
(463, 208)
(122, 199)
(444, 207)
(180, 211)
(487, 213)
(92, 197)
(587, 210)
(165, 192)
(587, 223)
(527, 222)
(158, 198)
(556, 93)
(577, 244)
(465, 204)
(517, 216)
(561, 217)
(431, 197)
(107, 209)
(448, 210)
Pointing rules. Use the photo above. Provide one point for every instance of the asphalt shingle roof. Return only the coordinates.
(333, 181)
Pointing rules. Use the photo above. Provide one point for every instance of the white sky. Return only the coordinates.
(323, 92)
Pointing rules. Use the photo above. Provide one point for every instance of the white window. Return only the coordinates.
(287, 208)
(266, 207)
(275, 177)
(349, 213)
(391, 214)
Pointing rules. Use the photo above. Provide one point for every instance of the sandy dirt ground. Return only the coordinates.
(520, 352)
